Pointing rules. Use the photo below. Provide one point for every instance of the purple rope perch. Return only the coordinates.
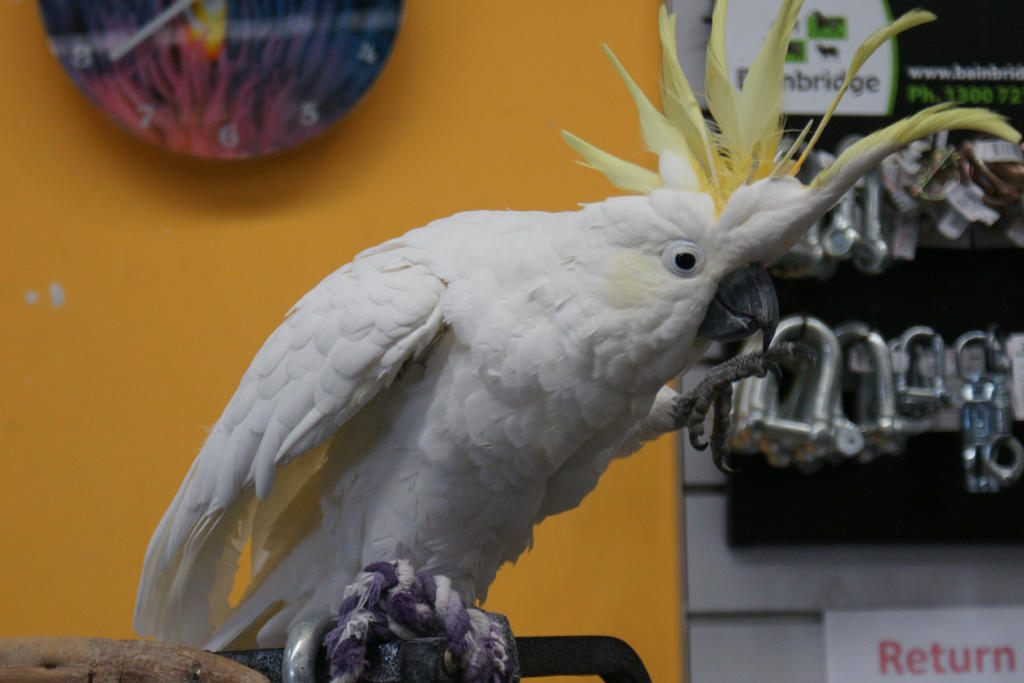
(389, 601)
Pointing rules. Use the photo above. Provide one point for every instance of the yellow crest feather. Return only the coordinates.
(659, 133)
(722, 98)
(925, 122)
(740, 144)
(867, 48)
(677, 97)
(623, 174)
(760, 104)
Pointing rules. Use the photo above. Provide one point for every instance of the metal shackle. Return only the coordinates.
(875, 397)
(993, 458)
(802, 425)
(996, 361)
(806, 258)
(843, 231)
(871, 253)
(919, 394)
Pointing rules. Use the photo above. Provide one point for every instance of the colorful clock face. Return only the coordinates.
(223, 79)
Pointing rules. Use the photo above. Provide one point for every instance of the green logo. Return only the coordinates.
(827, 27)
(797, 51)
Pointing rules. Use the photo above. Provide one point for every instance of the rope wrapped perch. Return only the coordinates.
(389, 601)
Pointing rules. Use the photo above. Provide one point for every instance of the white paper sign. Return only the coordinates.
(928, 645)
(826, 35)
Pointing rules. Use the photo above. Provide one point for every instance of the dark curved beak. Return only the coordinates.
(745, 303)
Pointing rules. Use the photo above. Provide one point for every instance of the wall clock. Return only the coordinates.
(223, 79)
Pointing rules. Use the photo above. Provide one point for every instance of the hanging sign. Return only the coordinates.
(970, 55)
(963, 645)
(826, 35)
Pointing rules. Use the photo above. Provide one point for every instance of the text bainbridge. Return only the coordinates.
(822, 81)
(896, 660)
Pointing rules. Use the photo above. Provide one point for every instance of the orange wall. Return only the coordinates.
(175, 271)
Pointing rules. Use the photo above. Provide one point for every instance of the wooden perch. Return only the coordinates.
(100, 660)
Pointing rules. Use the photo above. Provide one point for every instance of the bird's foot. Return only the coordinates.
(715, 391)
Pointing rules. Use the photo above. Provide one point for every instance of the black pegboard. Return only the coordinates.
(919, 496)
(950, 290)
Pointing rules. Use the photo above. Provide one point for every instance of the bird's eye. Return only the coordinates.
(683, 258)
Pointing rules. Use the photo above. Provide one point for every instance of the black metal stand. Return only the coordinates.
(422, 660)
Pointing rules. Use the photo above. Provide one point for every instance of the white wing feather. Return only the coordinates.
(341, 344)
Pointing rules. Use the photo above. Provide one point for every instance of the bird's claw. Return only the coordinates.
(721, 460)
(715, 390)
(792, 352)
(773, 367)
(695, 426)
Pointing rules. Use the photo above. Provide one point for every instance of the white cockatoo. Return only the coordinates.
(444, 392)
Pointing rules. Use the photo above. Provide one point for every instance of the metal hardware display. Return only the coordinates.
(862, 397)
(929, 191)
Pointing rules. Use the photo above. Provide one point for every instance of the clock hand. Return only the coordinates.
(151, 27)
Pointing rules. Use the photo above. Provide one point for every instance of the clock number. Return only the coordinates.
(81, 55)
(146, 111)
(228, 135)
(309, 115)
